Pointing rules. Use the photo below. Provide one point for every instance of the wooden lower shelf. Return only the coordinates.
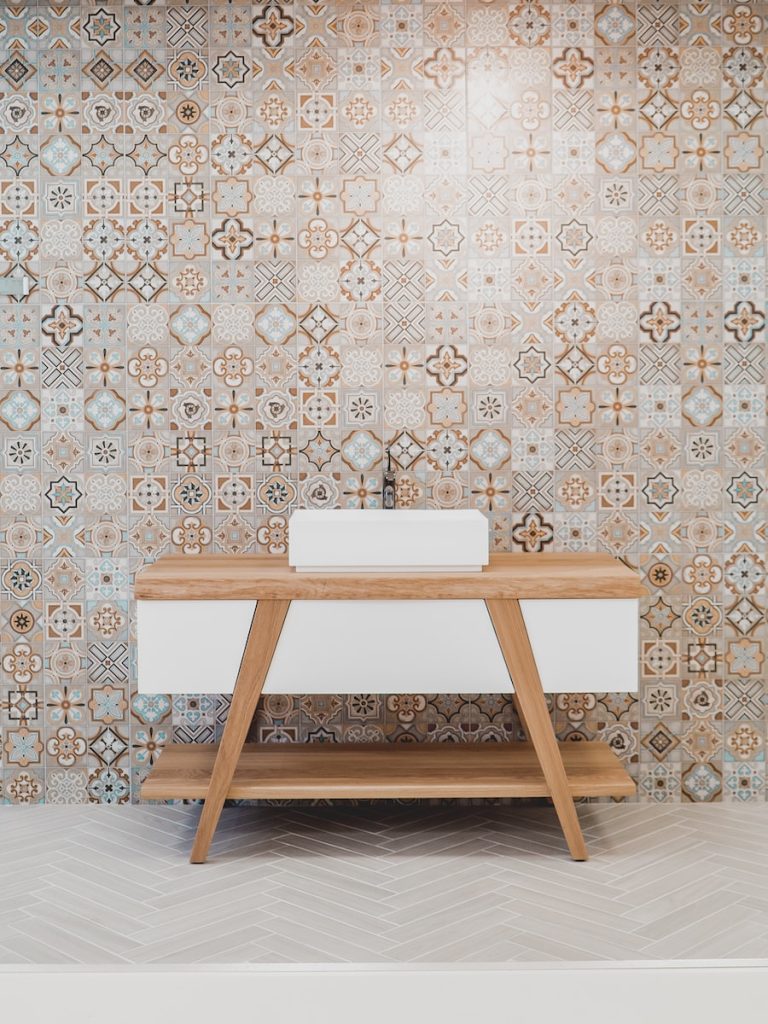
(376, 771)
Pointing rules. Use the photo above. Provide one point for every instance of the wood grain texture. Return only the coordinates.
(508, 621)
(262, 640)
(370, 771)
(507, 576)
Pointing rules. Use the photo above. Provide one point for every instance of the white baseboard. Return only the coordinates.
(631, 993)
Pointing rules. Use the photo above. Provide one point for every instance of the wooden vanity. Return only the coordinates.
(252, 624)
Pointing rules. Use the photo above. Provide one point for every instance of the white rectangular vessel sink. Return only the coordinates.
(379, 540)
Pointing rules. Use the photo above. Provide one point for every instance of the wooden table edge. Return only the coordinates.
(507, 577)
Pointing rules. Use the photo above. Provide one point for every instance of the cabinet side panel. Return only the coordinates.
(584, 646)
(191, 646)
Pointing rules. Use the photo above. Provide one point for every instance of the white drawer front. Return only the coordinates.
(191, 646)
(388, 647)
(584, 646)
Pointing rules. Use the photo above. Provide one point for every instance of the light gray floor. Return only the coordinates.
(97, 885)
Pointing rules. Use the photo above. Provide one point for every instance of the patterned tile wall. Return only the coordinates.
(520, 243)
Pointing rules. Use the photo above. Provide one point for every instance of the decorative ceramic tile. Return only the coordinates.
(521, 244)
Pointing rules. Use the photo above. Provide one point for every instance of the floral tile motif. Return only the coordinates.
(520, 244)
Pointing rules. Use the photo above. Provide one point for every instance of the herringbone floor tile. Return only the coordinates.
(376, 884)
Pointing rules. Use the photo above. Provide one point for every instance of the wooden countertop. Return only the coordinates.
(265, 577)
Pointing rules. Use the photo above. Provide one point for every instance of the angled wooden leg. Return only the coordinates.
(260, 646)
(508, 621)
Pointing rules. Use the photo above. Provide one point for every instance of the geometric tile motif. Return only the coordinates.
(144, 69)
(108, 663)
(101, 69)
(17, 70)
